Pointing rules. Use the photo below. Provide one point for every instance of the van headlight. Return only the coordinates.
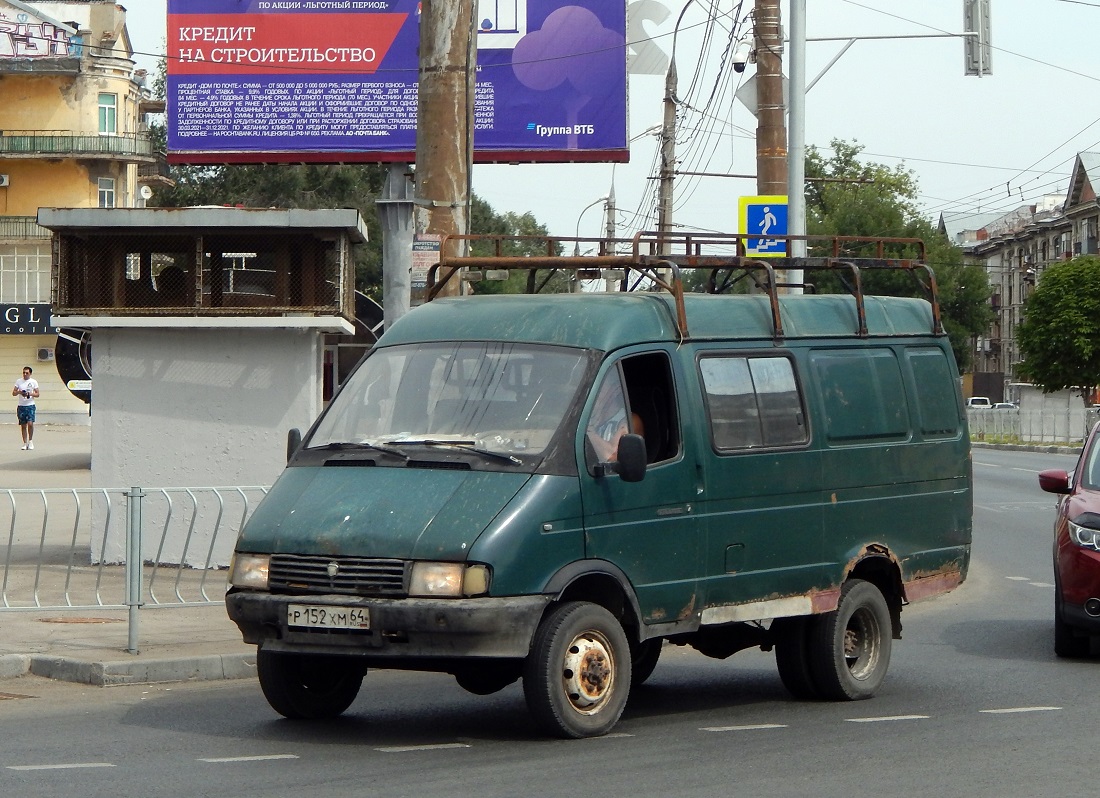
(249, 570)
(448, 579)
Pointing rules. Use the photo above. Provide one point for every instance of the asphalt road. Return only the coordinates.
(975, 704)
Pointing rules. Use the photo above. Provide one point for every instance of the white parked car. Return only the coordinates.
(978, 403)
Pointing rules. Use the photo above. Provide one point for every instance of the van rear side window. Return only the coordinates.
(752, 402)
(862, 394)
(937, 405)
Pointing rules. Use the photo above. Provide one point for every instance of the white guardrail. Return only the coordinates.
(98, 548)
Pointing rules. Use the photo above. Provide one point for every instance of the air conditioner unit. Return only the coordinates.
(3, 181)
(45, 354)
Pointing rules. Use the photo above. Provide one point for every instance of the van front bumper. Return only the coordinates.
(417, 628)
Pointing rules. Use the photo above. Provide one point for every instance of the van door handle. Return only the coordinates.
(666, 511)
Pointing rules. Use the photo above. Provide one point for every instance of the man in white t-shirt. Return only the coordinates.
(26, 391)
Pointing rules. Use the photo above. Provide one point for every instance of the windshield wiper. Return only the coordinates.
(469, 446)
(378, 447)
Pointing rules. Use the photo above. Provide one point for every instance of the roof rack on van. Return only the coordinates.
(654, 261)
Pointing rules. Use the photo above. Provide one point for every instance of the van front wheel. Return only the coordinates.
(576, 678)
(308, 686)
(850, 646)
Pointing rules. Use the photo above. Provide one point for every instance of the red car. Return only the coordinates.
(1077, 551)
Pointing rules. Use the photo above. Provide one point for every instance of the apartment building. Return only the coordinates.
(1015, 248)
(72, 135)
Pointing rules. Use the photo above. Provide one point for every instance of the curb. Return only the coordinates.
(212, 667)
(1023, 447)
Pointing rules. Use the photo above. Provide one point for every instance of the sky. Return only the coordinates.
(974, 144)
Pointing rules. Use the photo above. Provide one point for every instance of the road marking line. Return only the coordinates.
(401, 749)
(259, 758)
(752, 727)
(68, 766)
(1040, 584)
(886, 718)
(1019, 578)
(1013, 710)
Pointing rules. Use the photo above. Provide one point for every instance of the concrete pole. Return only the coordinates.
(395, 211)
(771, 131)
(445, 121)
(668, 159)
(609, 222)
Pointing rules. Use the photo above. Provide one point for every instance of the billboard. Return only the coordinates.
(268, 81)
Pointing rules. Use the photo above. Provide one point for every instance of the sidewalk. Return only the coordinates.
(89, 646)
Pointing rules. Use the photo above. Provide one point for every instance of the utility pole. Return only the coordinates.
(668, 159)
(771, 130)
(445, 122)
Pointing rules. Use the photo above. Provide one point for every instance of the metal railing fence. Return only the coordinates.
(98, 548)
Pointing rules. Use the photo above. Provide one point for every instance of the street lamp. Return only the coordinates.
(577, 244)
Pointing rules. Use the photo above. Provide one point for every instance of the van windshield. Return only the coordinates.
(500, 397)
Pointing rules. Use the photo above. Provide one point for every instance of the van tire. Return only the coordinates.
(308, 686)
(850, 646)
(576, 678)
(643, 660)
(792, 656)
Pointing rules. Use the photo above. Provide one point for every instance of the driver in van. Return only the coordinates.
(609, 421)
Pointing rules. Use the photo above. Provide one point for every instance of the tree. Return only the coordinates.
(849, 197)
(1059, 336)
(535, 241)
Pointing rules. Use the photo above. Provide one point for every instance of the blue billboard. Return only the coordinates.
(254, 81)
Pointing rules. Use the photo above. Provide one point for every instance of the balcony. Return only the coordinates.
(30, 144)
(21, 228)
(156, 173)
(58, 65)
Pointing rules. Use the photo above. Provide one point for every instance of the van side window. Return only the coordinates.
(638, 396)
(937, 405)
(752, 402)
(862, 394)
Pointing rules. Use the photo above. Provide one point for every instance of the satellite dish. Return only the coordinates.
(146, 192)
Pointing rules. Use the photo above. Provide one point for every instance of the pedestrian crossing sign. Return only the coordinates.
(759, 217)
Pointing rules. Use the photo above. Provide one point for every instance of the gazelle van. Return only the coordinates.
(549, 488)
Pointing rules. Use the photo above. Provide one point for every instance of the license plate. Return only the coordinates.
(314, 616)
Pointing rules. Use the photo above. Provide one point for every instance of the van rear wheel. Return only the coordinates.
(850, 646)
(308, 686)
(792, 656)
(643, 660)
(576, 678)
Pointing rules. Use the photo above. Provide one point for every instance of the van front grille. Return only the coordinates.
(356, 576)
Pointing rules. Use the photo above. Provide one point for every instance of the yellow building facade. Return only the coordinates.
(72, 135)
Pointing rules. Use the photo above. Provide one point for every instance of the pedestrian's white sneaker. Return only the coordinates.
(23, 447)
(30, 444)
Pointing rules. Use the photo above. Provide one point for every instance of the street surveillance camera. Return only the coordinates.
(742, 54)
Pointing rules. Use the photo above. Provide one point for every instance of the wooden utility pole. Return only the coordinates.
(445, 121)
(771, 128)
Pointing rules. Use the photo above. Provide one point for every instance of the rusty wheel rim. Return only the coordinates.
(588, 672)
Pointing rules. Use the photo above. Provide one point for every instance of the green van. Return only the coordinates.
(551, 487)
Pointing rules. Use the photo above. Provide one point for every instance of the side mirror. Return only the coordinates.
(293, 442)
(632, 458)
(1054, 480)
